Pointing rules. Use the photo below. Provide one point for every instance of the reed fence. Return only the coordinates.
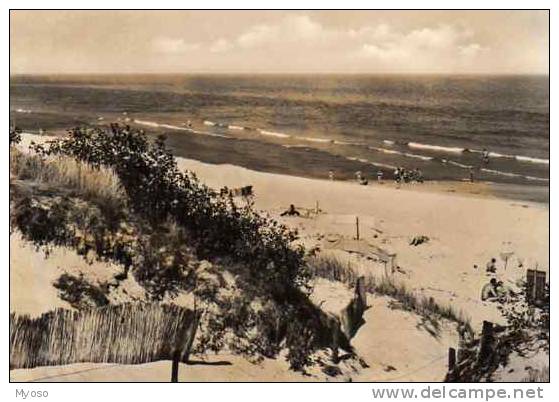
(125, 334)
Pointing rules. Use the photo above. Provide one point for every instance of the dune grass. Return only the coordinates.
(334, 269)
(95, 183)
(538, 375)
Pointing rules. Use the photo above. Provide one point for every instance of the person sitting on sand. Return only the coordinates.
(291, 211)
(503, 292)
(491, 266)
(489, 291)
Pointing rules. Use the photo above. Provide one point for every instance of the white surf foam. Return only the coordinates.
(406, 154)
(154, 124)
(461, 165)
(531, 160)
(363, 160)
(438, 148)
(273, 134)
(508, 174)
(146, 123)
(519, 158)
(316, 139)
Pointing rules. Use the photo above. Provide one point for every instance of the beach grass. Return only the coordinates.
(94, 183)
(334, 268)
(538, 375)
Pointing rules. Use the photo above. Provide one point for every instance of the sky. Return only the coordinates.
(402, 42)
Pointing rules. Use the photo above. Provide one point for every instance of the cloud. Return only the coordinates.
(173, 45)
(220, 46)
(426, 49)
(298, 42)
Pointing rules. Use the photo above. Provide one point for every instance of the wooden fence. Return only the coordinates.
(125, 334)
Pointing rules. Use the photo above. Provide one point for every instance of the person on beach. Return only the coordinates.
(291, 211)
(485, 156)
(406, 176)
(331, 175)
(471, 175)
(379, 176)
(417, 175)
(491, 266)
(397, 175)
(489, 291)
(504, 292)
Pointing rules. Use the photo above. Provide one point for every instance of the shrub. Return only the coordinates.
(171, 222)
(15, 135)
(158, 191)
(79, 293)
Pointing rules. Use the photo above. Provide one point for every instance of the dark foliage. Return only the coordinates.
(80, 293)
(169, 224)
(15, 135)
(159, 191)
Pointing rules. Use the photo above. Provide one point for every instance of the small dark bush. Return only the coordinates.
(79, 293)
(15, 135)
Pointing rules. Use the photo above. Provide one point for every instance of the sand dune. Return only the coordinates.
(464, 229)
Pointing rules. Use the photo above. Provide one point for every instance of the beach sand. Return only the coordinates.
(467, 225)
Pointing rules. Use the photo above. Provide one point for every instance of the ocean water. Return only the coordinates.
(307, 125)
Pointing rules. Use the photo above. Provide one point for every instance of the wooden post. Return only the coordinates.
(181, 351)
(451, 359)
(360, 290)
(534, 287)
(335, 341)
(357, 227)
(175, 367)
(486, 344)
(317, 209)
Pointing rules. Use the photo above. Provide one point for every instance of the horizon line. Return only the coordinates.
(282, 73)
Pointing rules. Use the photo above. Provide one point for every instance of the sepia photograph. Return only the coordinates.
(279, 196)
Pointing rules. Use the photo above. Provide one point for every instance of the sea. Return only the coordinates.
(310, 125)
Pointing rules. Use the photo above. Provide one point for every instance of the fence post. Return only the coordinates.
(357, 227)
(451, 359)
(486, 344)
(181, 351)
(175, 367)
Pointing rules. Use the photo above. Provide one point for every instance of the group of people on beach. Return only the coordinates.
(494, 290)
(403, 175)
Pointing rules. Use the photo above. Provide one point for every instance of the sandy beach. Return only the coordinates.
(466, 225)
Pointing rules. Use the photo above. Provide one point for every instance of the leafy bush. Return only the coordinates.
(79, 293)
(159, 191)
(15, 135)
(170, 223)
